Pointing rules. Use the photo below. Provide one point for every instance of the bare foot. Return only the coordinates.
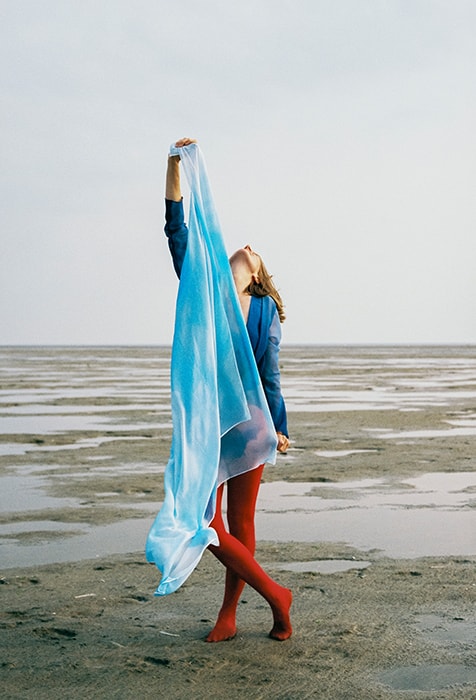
(225, 629)
(282, 623)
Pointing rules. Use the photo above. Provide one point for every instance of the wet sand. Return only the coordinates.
(84, 437)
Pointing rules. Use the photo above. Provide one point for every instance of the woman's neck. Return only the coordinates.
(245, 302)
(242, 279)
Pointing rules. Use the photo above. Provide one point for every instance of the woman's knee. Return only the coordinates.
(243, 529)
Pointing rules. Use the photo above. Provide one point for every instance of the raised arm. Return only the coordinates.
(172, 181)
(175, 227)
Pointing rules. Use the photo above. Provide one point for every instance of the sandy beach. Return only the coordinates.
(370, 518)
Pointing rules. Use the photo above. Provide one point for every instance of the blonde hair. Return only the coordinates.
(265, 287)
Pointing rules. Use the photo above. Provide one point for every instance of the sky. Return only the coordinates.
(339, 137)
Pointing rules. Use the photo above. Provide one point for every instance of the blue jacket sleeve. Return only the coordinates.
(177, 232)
(268, 367)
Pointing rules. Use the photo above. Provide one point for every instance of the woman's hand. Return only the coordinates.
(184, 142)
(180, 144)
(283, 442)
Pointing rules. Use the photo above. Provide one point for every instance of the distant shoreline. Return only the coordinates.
(284, 345)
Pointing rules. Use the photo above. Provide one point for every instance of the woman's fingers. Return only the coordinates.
(184, 142)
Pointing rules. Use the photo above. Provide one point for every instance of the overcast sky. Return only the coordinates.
(339, 137)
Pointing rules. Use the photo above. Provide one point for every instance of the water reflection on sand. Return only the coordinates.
(76, 414)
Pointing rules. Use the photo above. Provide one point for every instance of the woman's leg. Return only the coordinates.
(242, 492)
(241, 566)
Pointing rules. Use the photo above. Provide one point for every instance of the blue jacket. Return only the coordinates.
(263, 325)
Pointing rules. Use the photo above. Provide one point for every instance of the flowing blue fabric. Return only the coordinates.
(222, 426)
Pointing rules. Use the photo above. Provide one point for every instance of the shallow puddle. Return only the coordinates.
(430, 515)
(429, 677)
(320, 566)
(22, 448)
(98, 541)
(340, 453)
(21, 493)
(56, 424)
(448, 631)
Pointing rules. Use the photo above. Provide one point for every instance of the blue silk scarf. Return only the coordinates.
(221, 422)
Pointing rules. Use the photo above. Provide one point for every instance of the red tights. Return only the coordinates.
(236, 552)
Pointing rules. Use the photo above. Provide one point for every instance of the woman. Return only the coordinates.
(262, 310)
